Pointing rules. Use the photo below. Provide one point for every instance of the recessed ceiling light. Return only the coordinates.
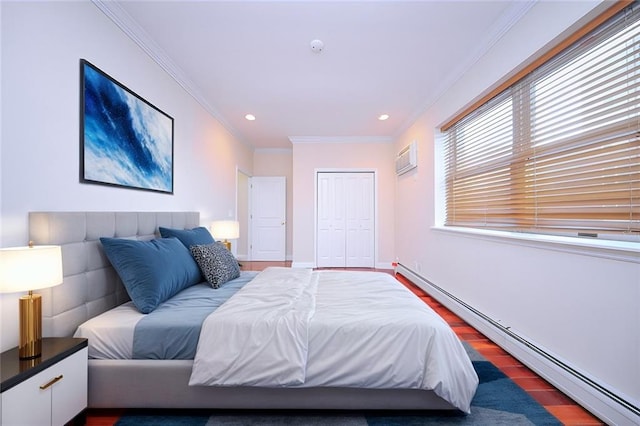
(383, 117)
(250, 117)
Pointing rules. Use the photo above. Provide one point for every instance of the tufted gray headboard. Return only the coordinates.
(91, 285)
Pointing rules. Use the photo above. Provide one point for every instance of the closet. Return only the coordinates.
(345, 219)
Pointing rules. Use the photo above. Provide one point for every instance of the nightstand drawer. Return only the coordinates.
(53, 396)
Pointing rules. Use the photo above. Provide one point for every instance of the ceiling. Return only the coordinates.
(379, 57)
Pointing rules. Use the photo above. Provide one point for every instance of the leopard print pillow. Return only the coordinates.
(216, 263)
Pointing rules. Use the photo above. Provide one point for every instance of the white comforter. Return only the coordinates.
(297, 327)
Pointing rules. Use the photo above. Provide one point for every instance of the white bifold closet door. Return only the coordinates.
(345, 219)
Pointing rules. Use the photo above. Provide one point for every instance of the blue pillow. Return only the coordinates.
(189, 237)
(152, 271)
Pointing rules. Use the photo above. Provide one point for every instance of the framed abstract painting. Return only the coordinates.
(124, 140)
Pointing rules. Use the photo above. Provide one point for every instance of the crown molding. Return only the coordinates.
(273, 150)
(339, 139)
(507, 20)
(139, 36)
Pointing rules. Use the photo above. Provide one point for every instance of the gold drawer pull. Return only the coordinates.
(51, 382)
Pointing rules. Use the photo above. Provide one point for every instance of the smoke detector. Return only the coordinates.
(316, 46)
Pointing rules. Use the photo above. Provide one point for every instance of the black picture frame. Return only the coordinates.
(125, 141)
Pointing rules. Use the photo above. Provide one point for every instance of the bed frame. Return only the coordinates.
(91, 286)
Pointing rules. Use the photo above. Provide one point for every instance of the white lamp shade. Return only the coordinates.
(225, 229)
(30, 268)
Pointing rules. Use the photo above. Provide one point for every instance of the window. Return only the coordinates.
(558, 151)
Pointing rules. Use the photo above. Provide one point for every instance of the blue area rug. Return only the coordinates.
(498, 401)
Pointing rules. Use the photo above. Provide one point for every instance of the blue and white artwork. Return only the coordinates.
(126, 140)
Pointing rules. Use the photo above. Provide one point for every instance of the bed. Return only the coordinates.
(320, 354)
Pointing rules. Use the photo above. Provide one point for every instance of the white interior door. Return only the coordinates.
(268, 207)
(345, 219)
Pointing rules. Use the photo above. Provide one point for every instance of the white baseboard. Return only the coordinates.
(379, 265)
(385, 265)
(303, 265)
(245, 257)
(607, 404)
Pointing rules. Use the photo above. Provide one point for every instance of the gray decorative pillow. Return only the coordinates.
(216, 263)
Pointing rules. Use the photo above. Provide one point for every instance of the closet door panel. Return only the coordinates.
(331, 221)
(360, 220)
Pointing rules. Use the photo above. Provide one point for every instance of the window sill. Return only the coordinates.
(626, 251)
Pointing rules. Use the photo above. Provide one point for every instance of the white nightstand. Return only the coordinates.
(50, 390)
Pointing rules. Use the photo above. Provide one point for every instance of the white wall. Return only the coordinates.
(42, 44)
(307, 158)
(241, 246)
(582, 307)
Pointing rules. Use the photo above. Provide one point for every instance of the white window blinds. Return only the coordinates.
(558, 151)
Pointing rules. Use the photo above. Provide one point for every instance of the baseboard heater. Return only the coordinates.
(612, 409)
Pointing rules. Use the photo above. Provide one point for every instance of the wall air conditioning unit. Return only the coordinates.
(407, 158)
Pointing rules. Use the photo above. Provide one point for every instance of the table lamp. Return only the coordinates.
(27, 269)
(226, 230)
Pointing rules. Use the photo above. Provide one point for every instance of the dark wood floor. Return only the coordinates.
(562, 407)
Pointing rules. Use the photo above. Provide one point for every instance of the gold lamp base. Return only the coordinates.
(227, 244)
(30, 343)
